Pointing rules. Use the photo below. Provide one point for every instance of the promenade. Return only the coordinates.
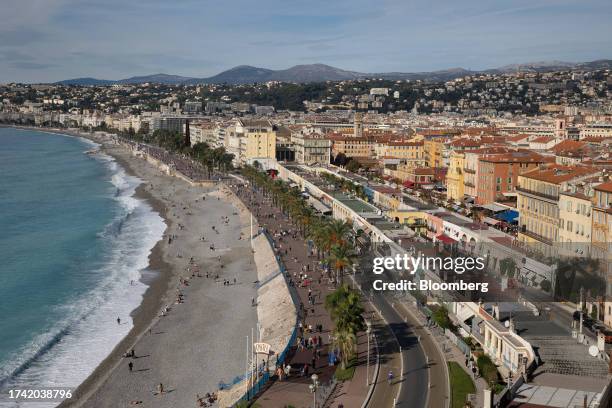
(294, 253)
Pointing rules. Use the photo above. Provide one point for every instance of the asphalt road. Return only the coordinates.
(423, 380)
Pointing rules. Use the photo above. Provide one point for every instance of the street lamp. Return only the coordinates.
(313, 388)
(368, 331)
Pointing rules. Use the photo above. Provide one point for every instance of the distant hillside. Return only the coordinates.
(86, 82)
(156, 78)
(238, 75)
(245, 74)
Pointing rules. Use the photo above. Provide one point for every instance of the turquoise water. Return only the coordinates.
(74, 243)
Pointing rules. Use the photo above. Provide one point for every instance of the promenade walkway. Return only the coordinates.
(294, 253)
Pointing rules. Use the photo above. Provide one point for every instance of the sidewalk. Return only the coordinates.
(293, 252)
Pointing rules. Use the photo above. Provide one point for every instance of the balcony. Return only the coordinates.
(470, 171)
(468, 184)
(537, 237)
(537, 194)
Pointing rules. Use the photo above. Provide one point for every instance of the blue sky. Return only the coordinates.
(49, 40)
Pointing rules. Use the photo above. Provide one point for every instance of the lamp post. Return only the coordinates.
(368, 331)
(313, 388)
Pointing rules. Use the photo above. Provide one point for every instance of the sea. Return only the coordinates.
(74, 247)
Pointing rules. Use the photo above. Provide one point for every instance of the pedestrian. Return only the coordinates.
(131, 366)
(390, 377)
(118, 320)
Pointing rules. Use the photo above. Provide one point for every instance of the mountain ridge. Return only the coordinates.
(307, 73)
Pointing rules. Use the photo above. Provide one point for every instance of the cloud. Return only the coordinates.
(56, 39)
(20, 36)
(30, 65)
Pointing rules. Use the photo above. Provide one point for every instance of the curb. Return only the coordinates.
(448, 389)
(376, 370)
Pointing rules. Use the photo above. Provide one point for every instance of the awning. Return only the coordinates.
(490, 221)
(494, 207)
(445, 239)
(319, 206)
(408, 184)
(509, 216)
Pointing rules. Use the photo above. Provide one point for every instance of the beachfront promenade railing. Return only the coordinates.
(264, 375)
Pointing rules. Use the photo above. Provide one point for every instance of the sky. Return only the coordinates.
(51, 40)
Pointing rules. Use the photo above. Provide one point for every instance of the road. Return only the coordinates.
(424, 381)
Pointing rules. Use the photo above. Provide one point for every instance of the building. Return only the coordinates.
(575, 217)
(455, 180)
(170, 123)
(311, 148)
(599, 130)
(192, 107)
(352, 146)
(203, 132)
(407, 150)
(433, 148)
(538, 202)
(498, 174)
(257, 140)
(600, 242)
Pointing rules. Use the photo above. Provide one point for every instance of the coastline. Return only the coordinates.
(158, 290)
(161, 286)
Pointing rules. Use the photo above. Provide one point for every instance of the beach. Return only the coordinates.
(199, 341)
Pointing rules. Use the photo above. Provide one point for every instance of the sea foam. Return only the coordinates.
(66, 355)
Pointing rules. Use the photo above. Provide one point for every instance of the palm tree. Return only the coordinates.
(340, 257)
(339, 231)
(344, 306)
(319, 233)
(346, 341)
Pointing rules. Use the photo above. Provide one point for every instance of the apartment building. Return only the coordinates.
(575, 217)
(257, 140)
(408, 150)
(433, 149)
(598, 130)
(538, 202)
(311, 148)
(601, 236)
(203, 132)
(498, 174)
(352, 146)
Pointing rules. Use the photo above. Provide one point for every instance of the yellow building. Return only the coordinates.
(601, 235)
(416, 220)
(257, 140)
(538, 203)
(409, 150)
(433, 149)
(455, 187)
(575, 217)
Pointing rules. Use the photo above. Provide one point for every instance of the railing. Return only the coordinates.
(537, 237)
(550, 197)
(282, 356)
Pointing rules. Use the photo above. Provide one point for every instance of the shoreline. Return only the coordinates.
(158, 290)
(160, 287)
